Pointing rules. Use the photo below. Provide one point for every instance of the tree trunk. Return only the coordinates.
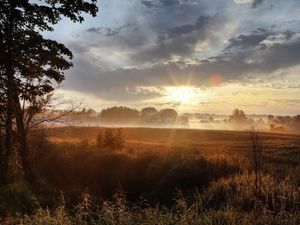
(8, 125)
(2, 172)
(8, 89)
(23, 145)
(22, 136)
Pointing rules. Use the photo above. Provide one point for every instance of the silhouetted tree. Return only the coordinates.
(31, 63)
(149, 115)
(119, 114)
(239, 117)
(168, 116)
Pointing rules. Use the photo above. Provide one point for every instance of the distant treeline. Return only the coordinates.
(148, 115)
(152, 116)
(274, 123)
(280, 123)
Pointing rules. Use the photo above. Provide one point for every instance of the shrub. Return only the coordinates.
(112, 139)
(17, 198)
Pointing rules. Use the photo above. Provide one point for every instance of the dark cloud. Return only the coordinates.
(149, 4)
(245, 41)
(159, 3)
(256, 38)
(109, 31)
(179, 41)
(256, 3)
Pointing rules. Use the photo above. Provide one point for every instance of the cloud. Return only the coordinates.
(164, 3)
(243, 57)
(177, 41)
(259, 38)
(245, 41)
(149, 4)
(164, 43)
(255, 3)
(109, 31)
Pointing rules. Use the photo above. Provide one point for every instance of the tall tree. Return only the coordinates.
(31, 63)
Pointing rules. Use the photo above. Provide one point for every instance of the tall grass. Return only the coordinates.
(151, 174)
(227, 201)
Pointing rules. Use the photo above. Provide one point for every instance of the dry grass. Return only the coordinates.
(210, 172)
(279, 207)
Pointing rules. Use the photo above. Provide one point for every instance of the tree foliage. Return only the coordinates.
(148, 115)
(239, 117)
(31, 65)
(119, 114)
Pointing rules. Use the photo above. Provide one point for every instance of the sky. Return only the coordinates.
(204, 56)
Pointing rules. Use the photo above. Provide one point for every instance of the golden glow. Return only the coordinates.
(183, 94)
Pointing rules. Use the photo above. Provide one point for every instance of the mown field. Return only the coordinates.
(160, 176)
(280, 150)
(178, 138)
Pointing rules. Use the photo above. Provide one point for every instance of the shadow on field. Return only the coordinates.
(78, 168)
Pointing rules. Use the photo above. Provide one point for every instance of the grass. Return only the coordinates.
(230, 199)
(161, 176)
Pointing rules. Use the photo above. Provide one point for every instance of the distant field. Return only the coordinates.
(179, 138)
(282, 151)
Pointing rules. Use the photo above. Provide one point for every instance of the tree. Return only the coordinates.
(31, 64)
(119, 114)
(168, 116)
(149, 115)
(238, 116)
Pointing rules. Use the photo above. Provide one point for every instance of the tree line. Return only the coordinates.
(280, 123)
(30, 67)
(148, 115)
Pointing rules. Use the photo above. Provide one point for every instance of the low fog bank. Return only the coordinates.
(169, 118)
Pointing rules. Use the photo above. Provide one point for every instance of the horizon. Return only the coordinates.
(179, 113)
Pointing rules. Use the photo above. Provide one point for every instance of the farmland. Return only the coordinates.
(158, 171)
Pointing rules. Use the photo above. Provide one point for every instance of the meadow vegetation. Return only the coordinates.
(82, 180)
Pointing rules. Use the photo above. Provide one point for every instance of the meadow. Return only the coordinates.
(159, 176)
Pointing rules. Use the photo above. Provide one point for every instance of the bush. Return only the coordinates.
(17, 198)
(112, 139)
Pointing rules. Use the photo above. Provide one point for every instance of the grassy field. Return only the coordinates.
(279, 149)
(160, 176)
(177, 138)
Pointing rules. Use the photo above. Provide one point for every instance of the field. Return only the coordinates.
(171, 138)
(279, 149)
(160, 176)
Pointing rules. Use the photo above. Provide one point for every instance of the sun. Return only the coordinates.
(183, 94)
